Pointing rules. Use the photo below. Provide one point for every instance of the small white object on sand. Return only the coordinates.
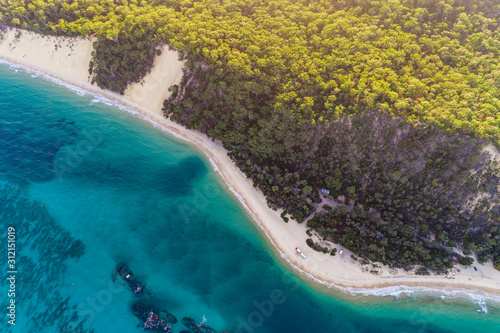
(300, 252)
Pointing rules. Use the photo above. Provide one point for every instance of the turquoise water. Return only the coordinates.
(86, 185)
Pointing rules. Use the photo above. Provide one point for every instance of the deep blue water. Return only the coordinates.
(86, 185)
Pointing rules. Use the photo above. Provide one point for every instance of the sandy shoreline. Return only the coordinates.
(67, 59)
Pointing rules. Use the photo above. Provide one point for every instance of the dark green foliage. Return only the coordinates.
(315, 246)
(283, 216)
(382, 241)
(118, 62)
(416, 176)
(466, 261)
(422, 271)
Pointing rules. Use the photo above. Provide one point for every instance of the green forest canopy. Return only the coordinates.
(278, 78)
(428, 60)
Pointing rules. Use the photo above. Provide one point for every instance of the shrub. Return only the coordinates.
(466, 261)
(315, 246)
(422, 271)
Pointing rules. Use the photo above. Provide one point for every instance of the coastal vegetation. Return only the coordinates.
(412, 192)
(387, 104)
(118, 62)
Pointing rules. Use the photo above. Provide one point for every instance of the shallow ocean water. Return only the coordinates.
(87, 185)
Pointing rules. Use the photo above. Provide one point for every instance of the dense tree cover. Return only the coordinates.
(375, 239)
(349, 95)
(437, 187)
(118, 62)
(431, 60)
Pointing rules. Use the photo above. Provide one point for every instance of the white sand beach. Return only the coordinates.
(68, 59)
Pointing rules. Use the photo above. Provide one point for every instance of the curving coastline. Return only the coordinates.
(67, 59)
